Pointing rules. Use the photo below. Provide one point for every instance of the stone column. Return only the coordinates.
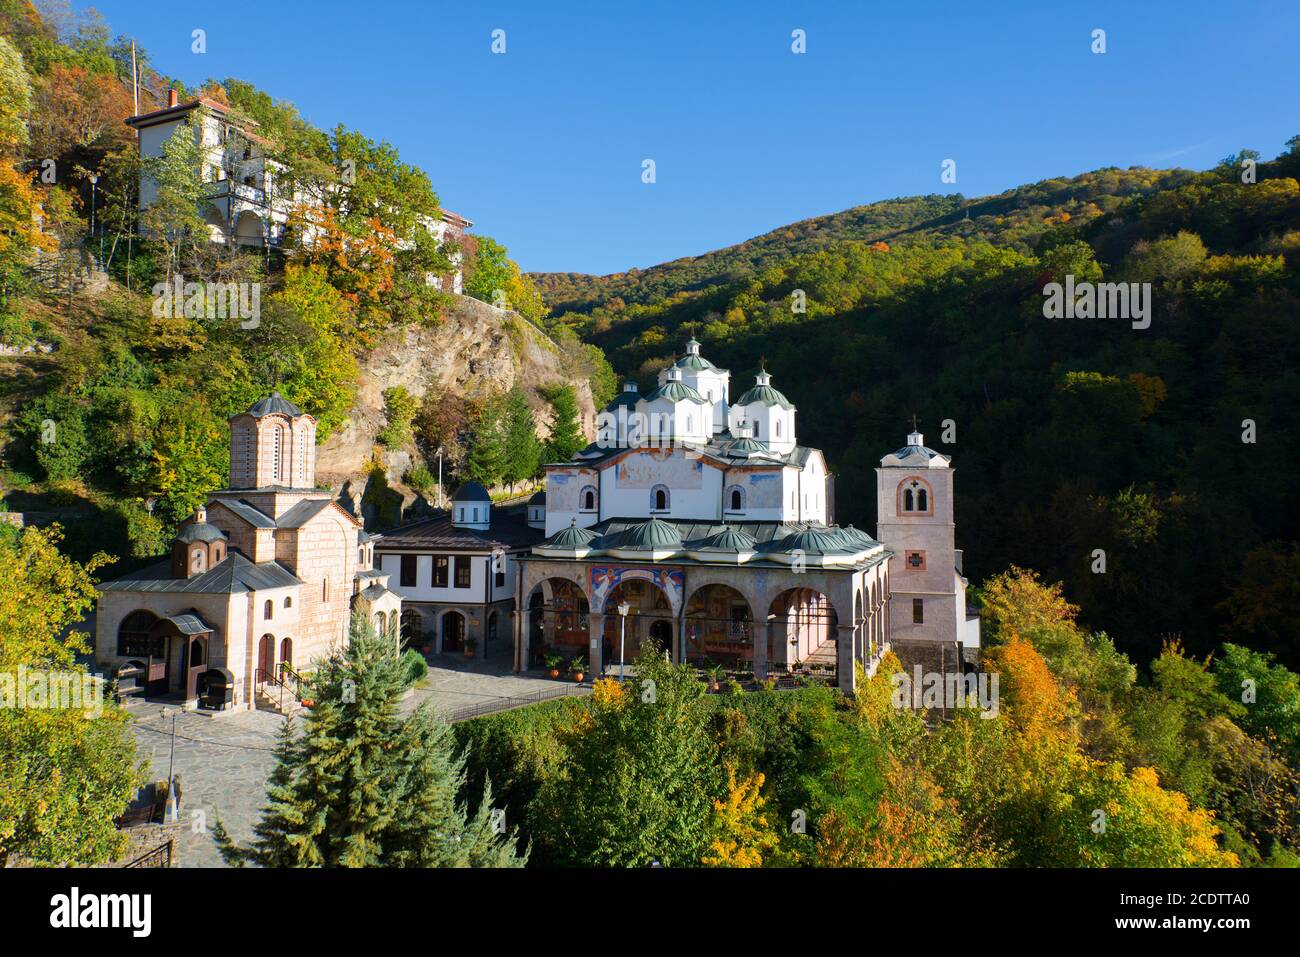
(596, 639)
(759, 632)
(844, 659)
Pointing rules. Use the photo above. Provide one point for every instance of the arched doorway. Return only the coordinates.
(453, 631)
(558, 621)
(719, 627)
(138, 639)
(412, 628)
(265, 658)
(248, 229)
(286, 651)
(649, 617)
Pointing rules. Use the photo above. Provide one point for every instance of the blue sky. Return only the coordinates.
(542, 146)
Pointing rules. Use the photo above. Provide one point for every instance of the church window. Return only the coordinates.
(778, 428)
(918, 611)
(916, 560)
(288, 601)
(659, 499)
(588, 499)
(757, 431)
(737, 498)
(276, 455)
(914, 497)
(268, 609)
(325, 589)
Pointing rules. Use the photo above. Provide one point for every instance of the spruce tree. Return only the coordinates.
(523, 451)
(485, 461)
(363, 787)
(566, 433)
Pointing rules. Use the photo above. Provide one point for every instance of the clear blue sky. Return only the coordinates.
(542, 147)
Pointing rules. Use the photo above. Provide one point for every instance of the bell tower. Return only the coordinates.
(914, 500)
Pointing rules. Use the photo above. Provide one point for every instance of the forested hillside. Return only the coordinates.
(1071, 435)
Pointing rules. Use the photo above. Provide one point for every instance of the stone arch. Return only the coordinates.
(412, 626)
(249, 229)
(804, 620)
(650, 615)
(720, 625)
(915, 496)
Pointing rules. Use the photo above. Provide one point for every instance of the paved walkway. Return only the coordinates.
(224, 762)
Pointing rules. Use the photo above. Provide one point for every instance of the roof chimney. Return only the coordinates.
(171, 98)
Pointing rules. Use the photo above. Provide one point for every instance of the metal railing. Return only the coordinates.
(509, 704)
(160, 856)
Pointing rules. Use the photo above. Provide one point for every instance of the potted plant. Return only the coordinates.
(576, 667)
(715, 673)
(554, 663)
(470, 645)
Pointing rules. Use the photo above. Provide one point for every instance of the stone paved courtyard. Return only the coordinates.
(224, 762)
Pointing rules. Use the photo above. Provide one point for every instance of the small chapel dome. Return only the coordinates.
(472, 492)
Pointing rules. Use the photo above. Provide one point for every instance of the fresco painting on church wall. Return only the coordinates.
(562, 490)
(764, 490)
(604, 578)
(645, 471)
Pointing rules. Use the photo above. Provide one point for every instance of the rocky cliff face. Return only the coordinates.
(478, 348)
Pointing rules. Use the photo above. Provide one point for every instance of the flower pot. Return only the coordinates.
(555, 673)
(578, 676)
(469, 652)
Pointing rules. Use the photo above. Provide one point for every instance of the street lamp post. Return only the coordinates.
(440, 476)
(94, 178)
(172, 810)
(623, 609)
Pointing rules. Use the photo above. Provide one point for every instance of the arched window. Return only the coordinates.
(288, 601)
(268, 610)
(277, 454)
(778, 428)
(737, 498)
(196, 653)
(197, 561)
(659, 498)
(588, 499)
(380, 623)
(915, 497)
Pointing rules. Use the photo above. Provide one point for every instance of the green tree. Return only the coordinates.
(523, 451)
(486, 459)
(399, 411)
(566, 436)
(365, 787)
(174, 211)
(641, 779)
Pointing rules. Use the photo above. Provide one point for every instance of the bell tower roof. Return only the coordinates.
(274, 403)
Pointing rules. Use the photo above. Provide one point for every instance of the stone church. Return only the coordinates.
(700, 524)
(259, 583)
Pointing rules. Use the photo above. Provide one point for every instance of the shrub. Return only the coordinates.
(414, 668)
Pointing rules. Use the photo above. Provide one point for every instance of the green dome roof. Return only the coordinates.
(857, 537)
(695, 363)
(813, 541)
(675, 392)
(746, 445)
(571, 537)
(764, 395)
(727, 540)
(653, 535)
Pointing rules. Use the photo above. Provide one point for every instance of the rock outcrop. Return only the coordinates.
(477, 349)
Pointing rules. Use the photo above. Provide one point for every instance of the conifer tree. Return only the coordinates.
(363, 787)
(485, 461)
(523, 451)
(566, 434)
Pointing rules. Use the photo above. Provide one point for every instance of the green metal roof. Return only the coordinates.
(764, 395)
(727, 540)
(572, 537)
(653, 535)
(675, 392)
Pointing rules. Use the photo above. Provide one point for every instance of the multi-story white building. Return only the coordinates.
(249, 197)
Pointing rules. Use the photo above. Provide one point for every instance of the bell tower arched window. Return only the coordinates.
(915, 497)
